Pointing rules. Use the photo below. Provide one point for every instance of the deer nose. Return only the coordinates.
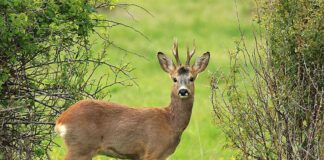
(183, 92)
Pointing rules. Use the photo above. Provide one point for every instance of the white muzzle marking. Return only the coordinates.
(186, 95)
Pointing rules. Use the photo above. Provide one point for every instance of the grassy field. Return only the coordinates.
(213, 25)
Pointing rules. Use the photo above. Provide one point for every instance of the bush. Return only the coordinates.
(272, 104)
(47, 63)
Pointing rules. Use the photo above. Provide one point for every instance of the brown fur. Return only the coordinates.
(98, 127)
(108, 128)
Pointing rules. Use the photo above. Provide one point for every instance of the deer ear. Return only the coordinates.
(165, 62)
(201, 63)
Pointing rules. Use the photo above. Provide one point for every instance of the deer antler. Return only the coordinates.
(175, 52)
(190, 54)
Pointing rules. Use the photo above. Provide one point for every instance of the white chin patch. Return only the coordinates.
(183, 97)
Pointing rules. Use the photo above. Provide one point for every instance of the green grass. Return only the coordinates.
(213, 26)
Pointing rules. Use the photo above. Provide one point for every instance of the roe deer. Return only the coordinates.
(92, 127)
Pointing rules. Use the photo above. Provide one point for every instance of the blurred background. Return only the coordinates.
(212, 24)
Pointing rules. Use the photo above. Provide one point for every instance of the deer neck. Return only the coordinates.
(180, 110)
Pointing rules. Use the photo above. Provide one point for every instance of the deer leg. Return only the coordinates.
(149, 156)
(154, 159)
(75, 156)
(76, 152)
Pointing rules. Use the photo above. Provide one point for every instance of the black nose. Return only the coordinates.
(183, 92)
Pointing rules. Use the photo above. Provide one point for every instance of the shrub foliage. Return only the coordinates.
(47, 63)
(272, 104)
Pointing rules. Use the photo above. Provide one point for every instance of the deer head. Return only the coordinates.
(183, 75)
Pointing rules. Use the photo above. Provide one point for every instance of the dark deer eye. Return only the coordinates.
(174, 80)
(191, 79)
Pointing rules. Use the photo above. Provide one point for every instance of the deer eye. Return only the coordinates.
(174, 80)
(191, 79)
